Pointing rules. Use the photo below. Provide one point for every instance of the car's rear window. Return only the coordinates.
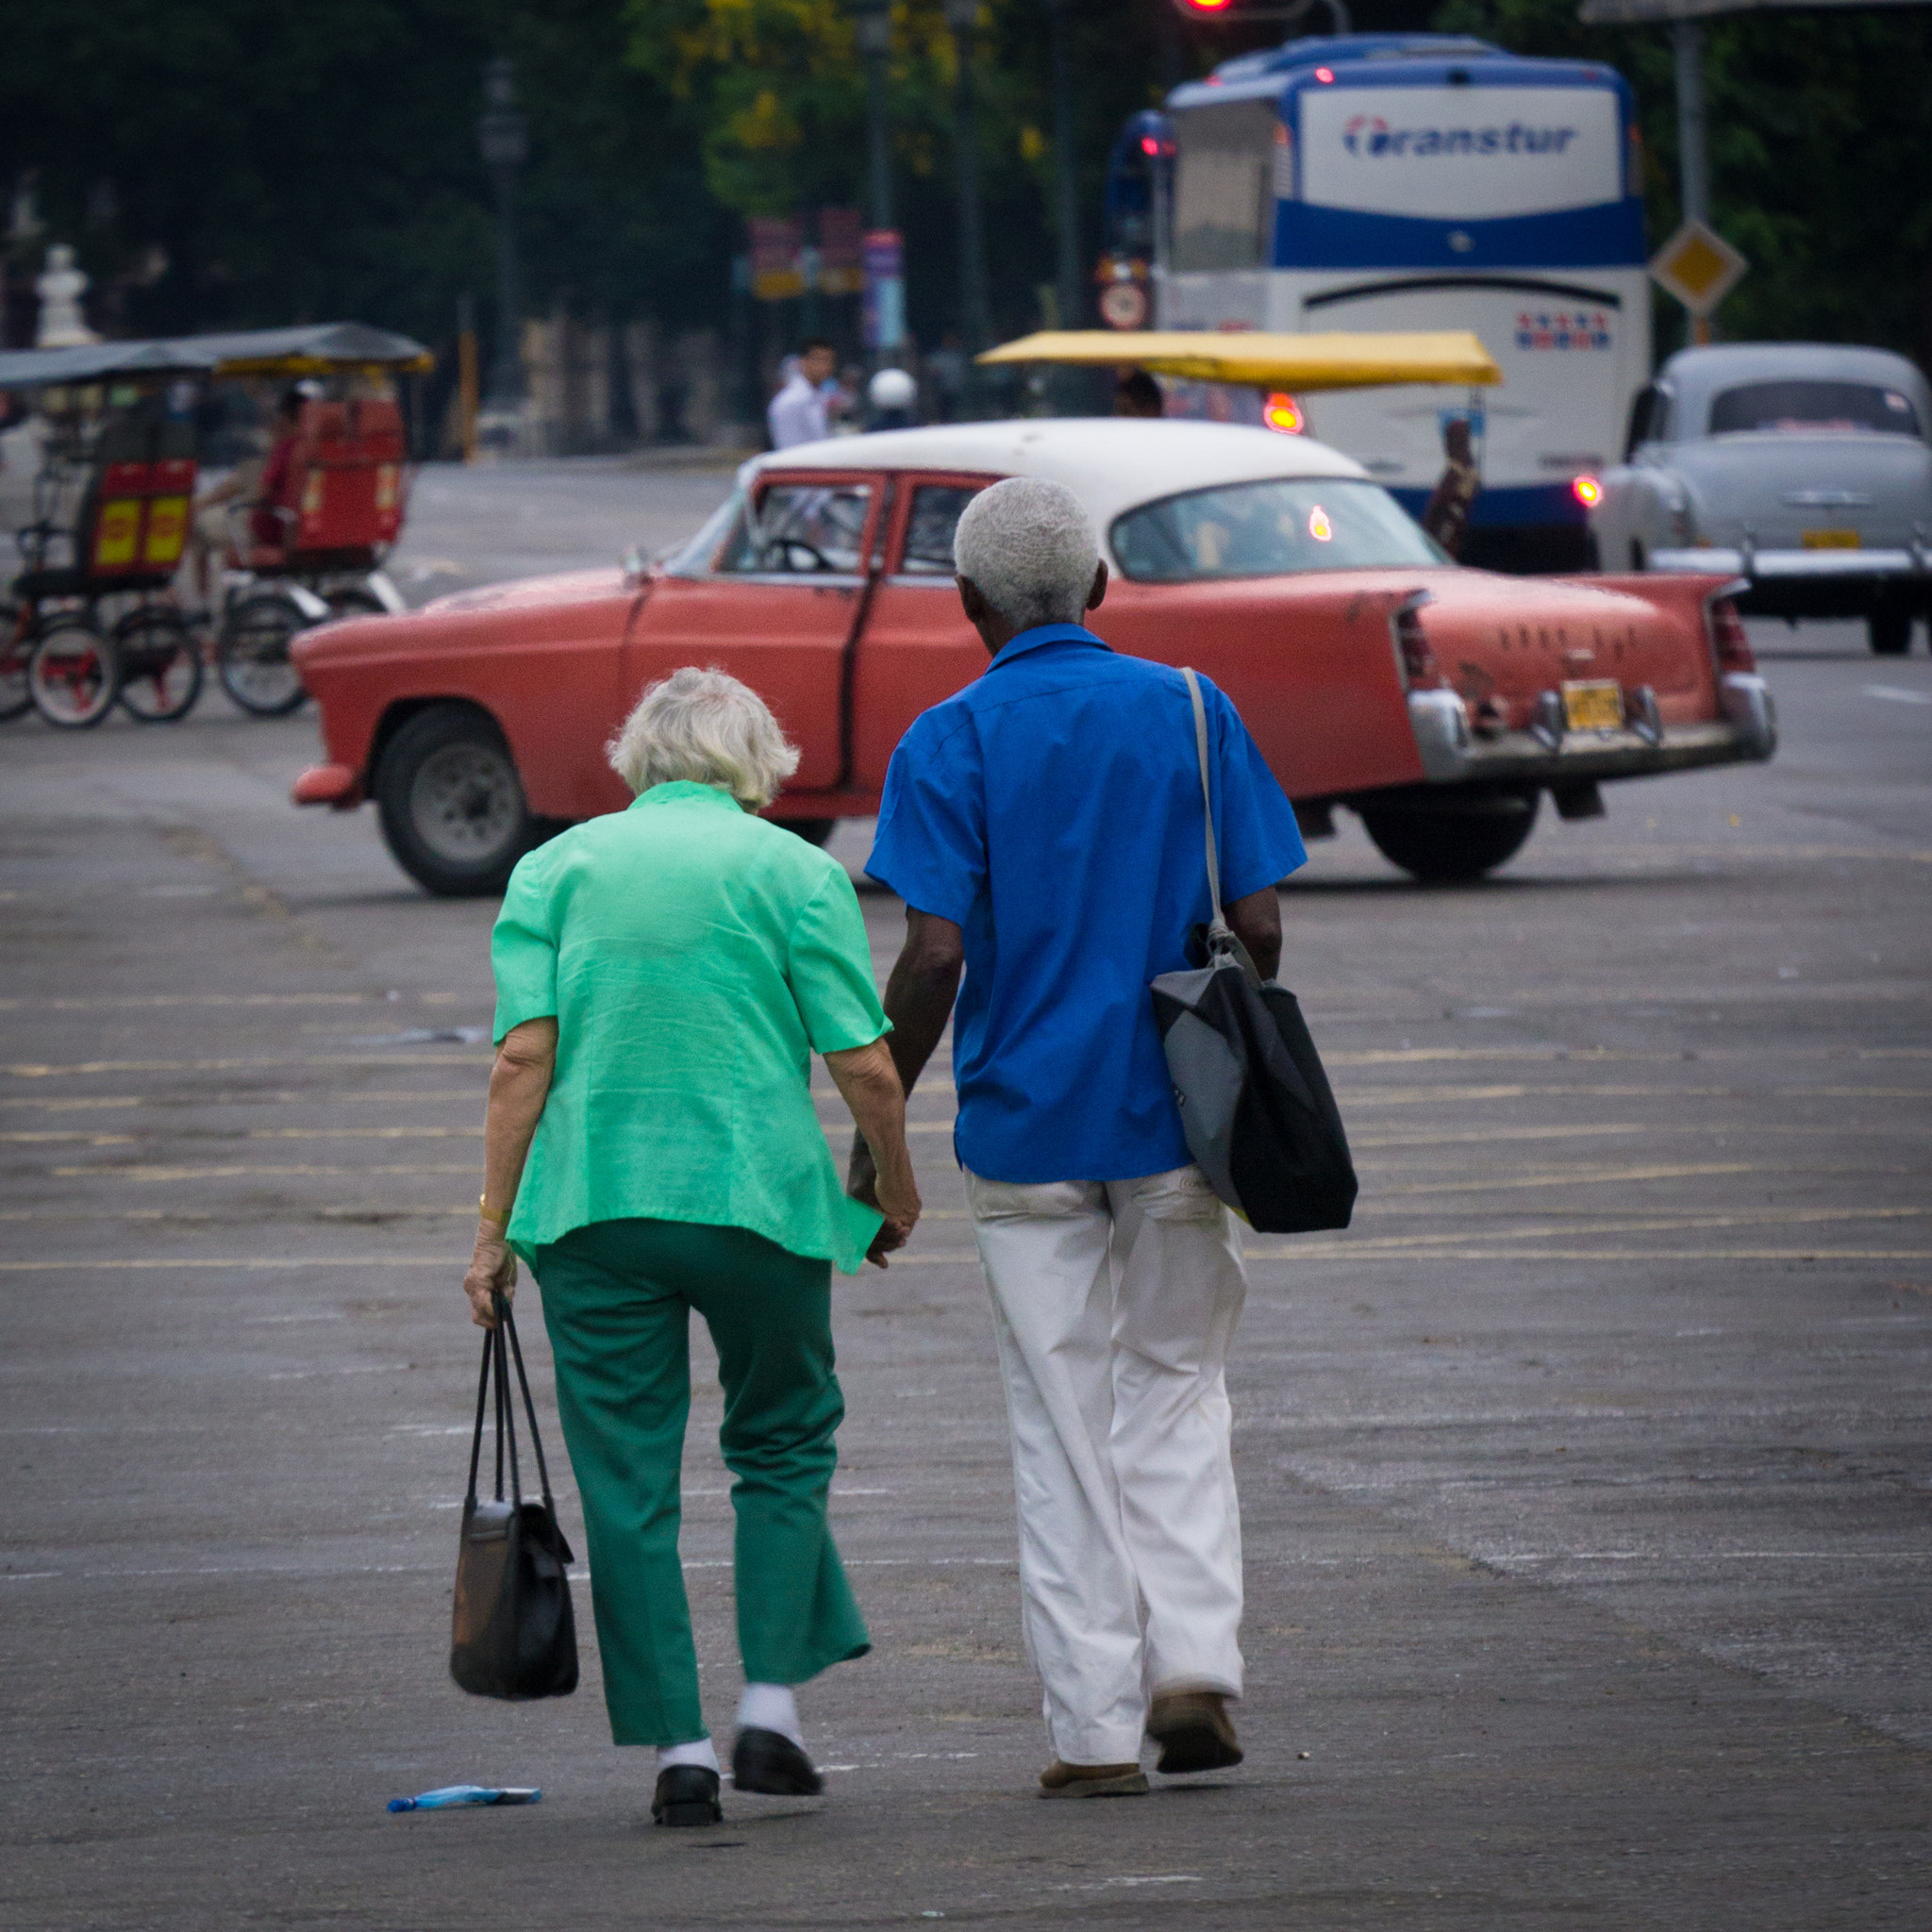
(1845, 407)
(1270, 529)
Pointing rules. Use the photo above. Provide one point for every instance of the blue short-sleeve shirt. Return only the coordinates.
(1052, 811)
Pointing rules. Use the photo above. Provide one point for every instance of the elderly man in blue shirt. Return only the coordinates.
(1043, 827)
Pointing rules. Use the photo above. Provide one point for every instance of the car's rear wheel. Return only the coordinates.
(1890, 633)
(1452, 841)
(451, 804)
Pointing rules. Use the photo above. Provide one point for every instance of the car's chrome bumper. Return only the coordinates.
(1798, 565)
(1453, 755)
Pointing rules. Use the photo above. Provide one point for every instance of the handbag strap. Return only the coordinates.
(495, 1371)
(1207, 796)
(508, 1323)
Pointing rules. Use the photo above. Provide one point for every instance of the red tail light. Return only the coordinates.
(1729, 644)
(1419, 671)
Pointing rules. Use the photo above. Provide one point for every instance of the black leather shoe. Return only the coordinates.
(687, 1794)
(769, 1761)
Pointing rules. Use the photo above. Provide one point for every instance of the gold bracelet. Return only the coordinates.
(498, 1221)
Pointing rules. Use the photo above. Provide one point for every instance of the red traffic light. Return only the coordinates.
(1204, 8)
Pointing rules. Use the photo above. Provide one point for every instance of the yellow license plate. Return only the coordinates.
(1829, 539)
(1594, 706)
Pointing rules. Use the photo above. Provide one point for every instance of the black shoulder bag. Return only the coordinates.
(1255, 1107)
(512, 1634)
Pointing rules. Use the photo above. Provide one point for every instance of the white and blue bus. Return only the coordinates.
(1424, 181)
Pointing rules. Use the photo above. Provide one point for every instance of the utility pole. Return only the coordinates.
(502, 139)
(1066, 182)
(1693, 169)
(962, 16)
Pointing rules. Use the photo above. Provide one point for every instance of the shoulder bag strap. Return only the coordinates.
(1206, 795)
(477, 1439)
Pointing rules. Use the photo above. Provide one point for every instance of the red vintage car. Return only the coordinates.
(1438, 702)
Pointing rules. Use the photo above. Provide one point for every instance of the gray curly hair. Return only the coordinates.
(1030, 548)
(707, 727)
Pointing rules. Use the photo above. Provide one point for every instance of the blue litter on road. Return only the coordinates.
(450, 1796)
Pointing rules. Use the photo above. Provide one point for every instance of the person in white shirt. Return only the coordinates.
(797, 412)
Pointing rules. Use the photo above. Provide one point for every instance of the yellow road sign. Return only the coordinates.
(1697, 266)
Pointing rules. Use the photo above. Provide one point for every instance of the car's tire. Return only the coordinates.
(813, 831)
(1454, 842)
(74, 674)
(452, 806)
(1889, 633)
(160, 665)
(252, 653)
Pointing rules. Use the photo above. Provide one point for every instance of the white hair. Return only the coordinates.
(1030, 548)
(705, 726)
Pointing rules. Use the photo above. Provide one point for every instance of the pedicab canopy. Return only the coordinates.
(1254, 359)
(322, 348)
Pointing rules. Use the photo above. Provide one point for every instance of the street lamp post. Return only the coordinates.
(502, 137)
(962, 16)
(1066, 186)
(875, 33)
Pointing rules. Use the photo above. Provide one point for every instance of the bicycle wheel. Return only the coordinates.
(73, 673)
(352, 600)
(252, 654)
(160, 664)
(16, 647)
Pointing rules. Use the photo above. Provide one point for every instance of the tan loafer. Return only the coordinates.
(1193, 1731)
(1060, 1780)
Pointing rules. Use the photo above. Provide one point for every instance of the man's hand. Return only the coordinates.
(492, 1271)
(901, 1212)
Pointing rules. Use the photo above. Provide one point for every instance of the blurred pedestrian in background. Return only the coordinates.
(1136, 393)
(1044, 828)
(1445, 516)
(797, 413)
(664, 976)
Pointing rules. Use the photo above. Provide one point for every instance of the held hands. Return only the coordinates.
(493, 1271)
(895, 1196)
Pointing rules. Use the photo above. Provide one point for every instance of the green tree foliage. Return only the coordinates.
(1819, 150)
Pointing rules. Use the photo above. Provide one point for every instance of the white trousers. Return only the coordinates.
(1114, 1304)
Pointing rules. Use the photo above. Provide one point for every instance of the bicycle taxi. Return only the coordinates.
(94, 616)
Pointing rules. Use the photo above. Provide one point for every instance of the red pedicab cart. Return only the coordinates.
(101, 620)
(91, 616)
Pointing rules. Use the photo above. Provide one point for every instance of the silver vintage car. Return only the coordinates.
(1805, 468)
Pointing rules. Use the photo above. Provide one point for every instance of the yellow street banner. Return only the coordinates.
(1254, 360)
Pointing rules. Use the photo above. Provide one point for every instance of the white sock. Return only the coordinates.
(770, 1707)
(698, 1752)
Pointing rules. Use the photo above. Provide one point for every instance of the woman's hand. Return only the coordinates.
(492, 1271)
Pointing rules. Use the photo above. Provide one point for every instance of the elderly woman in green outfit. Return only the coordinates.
(664, 976)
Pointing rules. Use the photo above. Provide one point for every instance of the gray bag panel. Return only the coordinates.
(1207, 1074)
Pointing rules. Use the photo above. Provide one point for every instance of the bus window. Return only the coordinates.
(1225, 193)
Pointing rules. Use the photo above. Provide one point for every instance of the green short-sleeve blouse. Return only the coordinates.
(695, 958)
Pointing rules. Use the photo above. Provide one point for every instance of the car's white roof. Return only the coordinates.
(1110, 463)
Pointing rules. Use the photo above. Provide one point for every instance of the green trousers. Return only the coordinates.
(617, 1301)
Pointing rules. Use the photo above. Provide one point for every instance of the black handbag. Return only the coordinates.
(512, 1634)
(1256, 1106)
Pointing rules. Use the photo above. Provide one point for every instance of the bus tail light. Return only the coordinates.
(1283, 413)
(1587, 490)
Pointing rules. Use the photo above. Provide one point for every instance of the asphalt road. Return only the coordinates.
(1585, 1479)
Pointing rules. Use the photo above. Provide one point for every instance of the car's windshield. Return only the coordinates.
(1270, 529)
(1848, 408)
(695, 557)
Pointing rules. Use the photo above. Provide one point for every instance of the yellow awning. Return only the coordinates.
(1255, 360)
